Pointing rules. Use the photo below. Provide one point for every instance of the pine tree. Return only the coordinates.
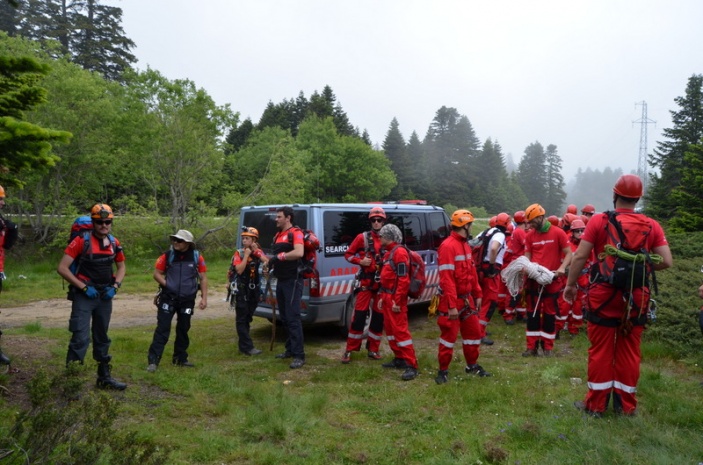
(669, 155)
(532, 174)
(555, 181)
(395, 150)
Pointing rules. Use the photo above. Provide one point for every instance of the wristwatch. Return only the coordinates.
(117, 285)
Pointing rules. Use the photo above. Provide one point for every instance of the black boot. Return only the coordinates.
(4, 359)
(105, 380)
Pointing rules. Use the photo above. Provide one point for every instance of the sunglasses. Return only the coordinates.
(577, 230)
(175, 239)
(102, 222)
(377, 220)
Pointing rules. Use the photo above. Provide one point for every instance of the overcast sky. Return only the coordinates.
(563, 72)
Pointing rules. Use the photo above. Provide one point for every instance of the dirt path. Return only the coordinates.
(127, 310)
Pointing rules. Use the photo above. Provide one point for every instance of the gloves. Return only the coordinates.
(491, 270)
(90, 292)
(2, 276)
(109, 293)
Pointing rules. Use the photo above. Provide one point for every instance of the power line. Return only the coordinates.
(642, 160)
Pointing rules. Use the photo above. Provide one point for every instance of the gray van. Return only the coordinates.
(327, 298)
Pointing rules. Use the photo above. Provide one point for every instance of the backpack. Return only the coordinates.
(80, 225)
(479, 245)
(626, 263)
(418, 280)
(11, 232)
(311, 243)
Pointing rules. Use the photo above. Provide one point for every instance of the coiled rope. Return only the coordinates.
(629, 256)
(514, 274)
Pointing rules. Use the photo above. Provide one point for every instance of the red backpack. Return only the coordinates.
(311, 244)
(418, 280)
(626, 264)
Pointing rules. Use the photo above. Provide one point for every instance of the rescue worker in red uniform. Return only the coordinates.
(545, 245)
(460, 297)
(365, 251)
(571, 313)
(395, 282)
(614, 354)
(515, 247)
(4, 359)
(489, 274)
(588, 211)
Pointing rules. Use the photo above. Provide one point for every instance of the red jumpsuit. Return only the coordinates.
(614, 357)
(394, 290)
(513, 306)
(572, 313)
(458, 281)
(367, 293)
(546, 249)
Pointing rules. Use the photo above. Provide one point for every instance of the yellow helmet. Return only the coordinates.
(101, 211)
(533, 211)
(461, 218)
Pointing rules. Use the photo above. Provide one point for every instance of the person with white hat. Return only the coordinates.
(180, 272)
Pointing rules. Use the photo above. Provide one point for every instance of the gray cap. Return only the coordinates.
(391, 232)
(183, 234)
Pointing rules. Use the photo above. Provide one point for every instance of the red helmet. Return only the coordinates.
(461, 218)
(533, 211)
(628, 185)
(509, 230)
(572, 209)
(502, 219)
(519, 216)
(554, 220)
(568, 218)
(588, 209)
(578, 224)
(377, 212)
(492, 222)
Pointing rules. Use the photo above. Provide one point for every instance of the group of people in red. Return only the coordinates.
(576, 253)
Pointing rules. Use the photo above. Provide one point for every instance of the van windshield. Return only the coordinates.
(265, 222)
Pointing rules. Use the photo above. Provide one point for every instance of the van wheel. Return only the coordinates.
(348, 315)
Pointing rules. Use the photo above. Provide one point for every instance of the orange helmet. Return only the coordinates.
(628, 185)
(101, 211)
(251, 232)
(533, 211)
(578, 224)
(377, 212)
(588, 209)
(492, 222)
(461, 218)
(2, 191)
(519, 216)
(553, 219)
(573, 209)
(502, 219)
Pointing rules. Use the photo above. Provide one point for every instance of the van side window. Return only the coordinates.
(411, 225)
(439, 229)
(340, 230)
(265, 223)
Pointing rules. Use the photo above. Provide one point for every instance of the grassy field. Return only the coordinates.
(233, 409)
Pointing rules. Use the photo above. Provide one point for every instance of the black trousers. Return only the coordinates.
(245, 315)
(164, 316)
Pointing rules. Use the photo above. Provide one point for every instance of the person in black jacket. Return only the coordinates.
(180, 272)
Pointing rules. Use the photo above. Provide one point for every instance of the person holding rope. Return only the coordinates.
(545, 245)
(616, 315)
(288, 249)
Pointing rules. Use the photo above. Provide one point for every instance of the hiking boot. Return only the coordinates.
(531, 353)
(486, 341)
(442, 377)
(510, 322)
(547, 352)
(284, 355)
(250, 352)
(183, 364)
(409, 373)
(4, 359)
(151, 368)
(582, 406)
(476, 369)
(105, 379)
(374, 356)
(397, 363)
(346, 357)
(297, 363)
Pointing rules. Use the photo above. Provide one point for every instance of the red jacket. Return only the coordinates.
(357, 251)
(390, 280)
(457, 273)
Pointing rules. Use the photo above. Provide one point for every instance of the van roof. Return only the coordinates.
(390, 206)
